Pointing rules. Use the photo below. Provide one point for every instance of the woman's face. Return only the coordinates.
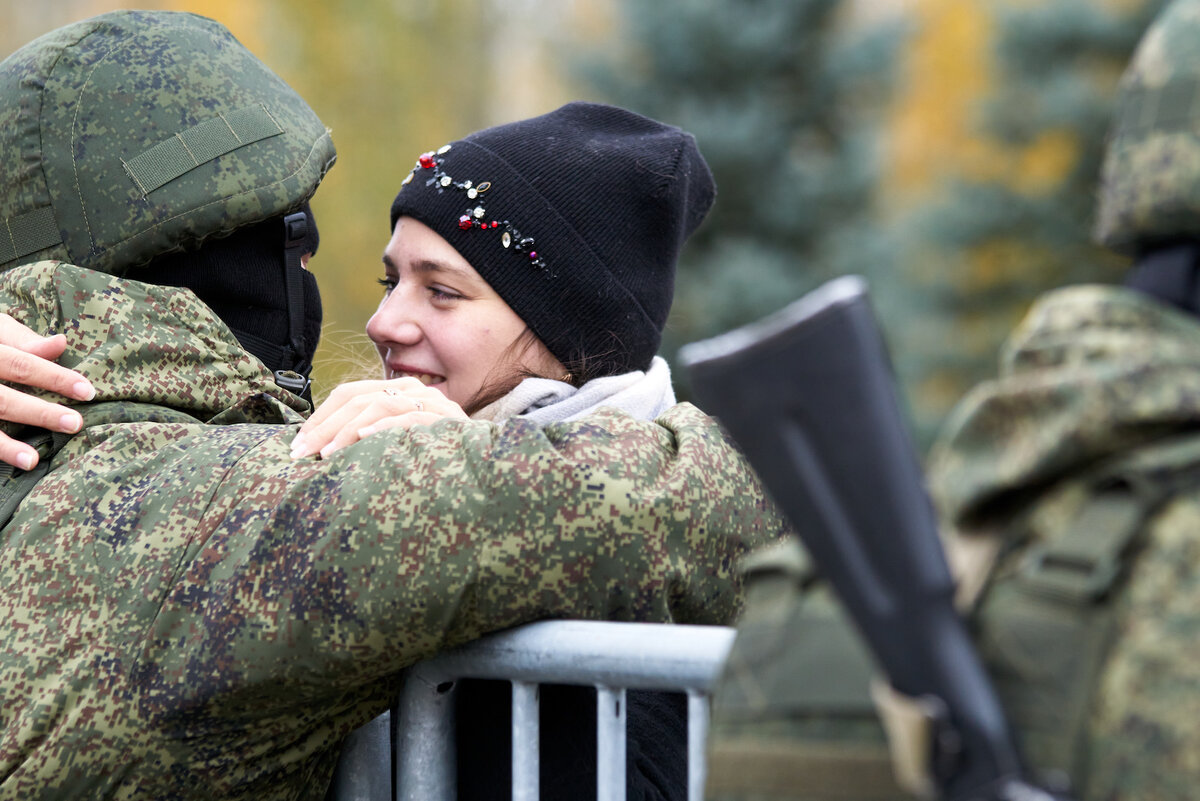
(440, 322)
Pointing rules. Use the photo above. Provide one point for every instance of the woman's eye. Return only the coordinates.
(388, 285)
(438, 293)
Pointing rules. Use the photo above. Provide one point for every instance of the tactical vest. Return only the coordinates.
(794, 716)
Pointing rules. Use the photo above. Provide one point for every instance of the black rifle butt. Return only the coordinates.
(810, 397)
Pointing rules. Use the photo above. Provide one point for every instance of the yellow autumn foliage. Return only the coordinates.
(950, 70)
(988, 214)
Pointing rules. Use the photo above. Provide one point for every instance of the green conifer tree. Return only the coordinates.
(974, 251)
(794, 103)
(779, 94)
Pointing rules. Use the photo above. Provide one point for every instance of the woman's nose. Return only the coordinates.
(394, 322)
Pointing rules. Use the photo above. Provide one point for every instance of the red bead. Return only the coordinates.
(464, 222)
(533, 255)
(426, 160)
(495, 224)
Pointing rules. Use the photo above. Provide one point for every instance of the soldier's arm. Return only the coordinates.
(407, 543)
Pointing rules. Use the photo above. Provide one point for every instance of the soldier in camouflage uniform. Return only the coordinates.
(188, 611)
(1070, 487)
(1085, 445)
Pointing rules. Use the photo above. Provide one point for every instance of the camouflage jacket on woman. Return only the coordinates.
(1098, 384)
(188, 612)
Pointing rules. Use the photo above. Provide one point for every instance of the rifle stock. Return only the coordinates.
(809, 396)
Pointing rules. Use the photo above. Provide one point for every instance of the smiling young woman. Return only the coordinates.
(442, 324)
(529, 274)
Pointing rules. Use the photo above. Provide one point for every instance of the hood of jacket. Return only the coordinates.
(144, 344)
(1092, 373)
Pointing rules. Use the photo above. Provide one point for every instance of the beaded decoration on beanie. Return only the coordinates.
(575, 218)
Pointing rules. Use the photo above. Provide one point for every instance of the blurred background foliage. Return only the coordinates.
(994, 143)
(948, 150)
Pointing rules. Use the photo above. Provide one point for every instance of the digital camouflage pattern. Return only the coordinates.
(1150, 189)
(189, 613)
(1096, 376)
(132, 133)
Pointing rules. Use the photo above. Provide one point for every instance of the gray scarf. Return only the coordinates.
(644, 395)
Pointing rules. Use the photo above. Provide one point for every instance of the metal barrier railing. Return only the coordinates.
(611, 657)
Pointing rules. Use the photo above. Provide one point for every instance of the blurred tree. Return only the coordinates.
(782, 96)
(950, 157)
(994, 144)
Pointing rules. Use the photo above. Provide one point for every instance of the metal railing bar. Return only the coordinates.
(524, 741)
(648, 656)
(364, 771)
(697, 744)
(425, 755)
(610, 743)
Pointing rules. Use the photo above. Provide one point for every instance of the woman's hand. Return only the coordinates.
(27, 358)
(358, 409)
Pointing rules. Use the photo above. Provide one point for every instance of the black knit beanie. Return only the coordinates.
(575, 218)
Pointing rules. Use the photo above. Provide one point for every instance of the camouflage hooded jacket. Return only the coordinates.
(1097, 376)
(187, 612)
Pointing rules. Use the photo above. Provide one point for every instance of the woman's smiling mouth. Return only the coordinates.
(428, 379)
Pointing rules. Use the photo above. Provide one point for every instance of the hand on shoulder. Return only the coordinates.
(361, 408)
(26, 358)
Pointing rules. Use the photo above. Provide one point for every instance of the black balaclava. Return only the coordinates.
(1169, 274)
(255, 284)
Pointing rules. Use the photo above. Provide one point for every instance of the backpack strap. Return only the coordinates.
(972, 557)
(1082, 565)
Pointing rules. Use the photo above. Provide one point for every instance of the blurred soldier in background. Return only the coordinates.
(1080, 467)
(1070, 487)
